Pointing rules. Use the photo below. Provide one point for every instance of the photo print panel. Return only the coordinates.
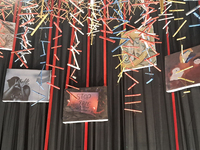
(135, 51)
(7, 30)
(85, 105)
(182, 69)
(27, 85)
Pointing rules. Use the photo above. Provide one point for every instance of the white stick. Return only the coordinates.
(166, 24)
(76, 37)
(166, 18)
(166, 14)
(167, 8)
(76, 28)
(76, 6)
(76, 19)
(75, 50)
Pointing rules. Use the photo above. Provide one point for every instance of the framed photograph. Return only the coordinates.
(134, 52)
(182, 69)
(26, 85)
(85, 105)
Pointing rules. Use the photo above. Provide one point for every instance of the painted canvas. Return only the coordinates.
(26, 85)
(134, 52)
(7, 30)
(85, 105)
(182, 69)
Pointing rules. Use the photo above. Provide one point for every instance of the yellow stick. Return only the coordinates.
(120, 63)
(118, 55)
(184, 69)
(179, 28)
(186, 80)
(182, 38)
(176, 10)
(41, 12)
(182, 53)
(39, 24)
(185, 92)
(176, 2)
(178, 19)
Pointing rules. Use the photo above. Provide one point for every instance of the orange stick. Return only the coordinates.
(130, 39)
(57, 27)
(73, 80)
(131, 86)
(145, 3)
(56, 57)
(21, 60)
(153, 56)
(132, 70)
(131, 62)
(29, 6)
(130, 46)
(110, 32)
(72, 86)
(1, 56)
(130, 26)
(136, 102)
(106, 25)
(152, 48)
(25, 44)
(57, 37)
(56, 46)
(71, 49)
(131, 55)
(71, 94)
(131, 78)
(23, 50)
(108, 39)
(133, 95)
(2, 40)
(26, 22)
(130, 31)
(73, 72)
(3, 14)
(58, 16)
(133, 110)
(149, 41)
(55, 66)
(53, 85)
(28, 14)
(153, 65)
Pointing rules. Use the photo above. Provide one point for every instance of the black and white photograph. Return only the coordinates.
(26, 85)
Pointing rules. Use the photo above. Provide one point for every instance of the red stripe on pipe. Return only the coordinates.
(172, 94)
(51, 90)
(88, 52)
(70, 53)
(175, 121)
(15, 12)
(87, 78)
(49, 36)
(15, 39)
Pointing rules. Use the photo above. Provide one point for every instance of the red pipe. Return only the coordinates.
(51, 90)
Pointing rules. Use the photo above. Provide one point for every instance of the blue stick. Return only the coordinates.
(45, 27)
(194, 25)
(149, 81)
(119, 46)
(38, 101)
(119, 38)
(149, 73)
(119, 31)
